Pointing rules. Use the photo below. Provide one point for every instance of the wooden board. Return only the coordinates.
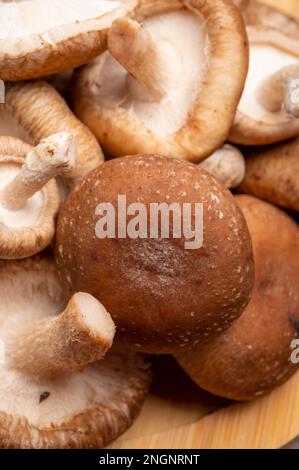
(177, 414)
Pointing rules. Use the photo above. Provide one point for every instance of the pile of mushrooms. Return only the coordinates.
(170, 90)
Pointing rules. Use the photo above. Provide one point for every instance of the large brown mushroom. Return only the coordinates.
(165, 290)
(40, 38)
(268, 111)
(54, 391)
(34, 110)
(170, 81)
(29, 197)
(254, 355)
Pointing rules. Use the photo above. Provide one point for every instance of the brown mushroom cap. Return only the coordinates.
(162, 296)
(32, 229)
(263, 115)
(41, 38)
(70, 409)
(254, 355)
(34, 111)
(182, 57)
(272, 174)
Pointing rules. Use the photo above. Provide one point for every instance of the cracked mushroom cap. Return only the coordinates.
(55, 391)
(163, 294)
(34, 110)
(159, 87)
(41, 38)
(268, 111)
(254, 355)
(272, 174)
(29, 196)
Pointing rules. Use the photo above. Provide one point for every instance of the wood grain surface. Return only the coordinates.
(177, 414)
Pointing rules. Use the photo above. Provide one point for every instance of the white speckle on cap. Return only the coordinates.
(214, 197)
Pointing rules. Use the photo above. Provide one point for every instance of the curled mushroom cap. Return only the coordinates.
(55, 393)
(164, 292)
(29, 198)
(268, 111)
(227, 165)
(160, 86)
(254, 355)
(272, 174)
(34, 110)
(40, 38)
(256, 12)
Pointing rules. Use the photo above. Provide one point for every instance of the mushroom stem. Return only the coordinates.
(54, 156)
(132, 46)
(82, 334)
(281, 90)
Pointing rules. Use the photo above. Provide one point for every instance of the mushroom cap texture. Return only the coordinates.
(91, 407)
(208, 122)
(268, 26)
(162, 296)
(253, 356)
(58, 48)
(16, 243)
(39, 111)
(272, 174)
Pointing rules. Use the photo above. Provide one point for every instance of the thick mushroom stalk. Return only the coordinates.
(82, 334)
(54, 156)
(281, 90)
(133, 47)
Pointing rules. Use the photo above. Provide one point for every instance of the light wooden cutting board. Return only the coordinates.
(177, 414)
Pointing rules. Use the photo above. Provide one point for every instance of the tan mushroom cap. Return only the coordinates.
(254, 355)
(30, 226)
(167, 96)
(227, 165)
(52, 393)
(34, 111)
(272, 174)
(41, 38)
(163, 294)
(268, 109)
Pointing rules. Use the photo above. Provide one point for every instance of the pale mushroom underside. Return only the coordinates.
(39, 38)
(76, 409)
(166, 105)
